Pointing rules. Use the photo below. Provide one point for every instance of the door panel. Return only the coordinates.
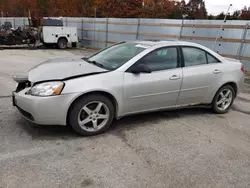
(198, 82)
(151, 91)
(200, 76)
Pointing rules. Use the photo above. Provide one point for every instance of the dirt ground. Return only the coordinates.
(181, 148)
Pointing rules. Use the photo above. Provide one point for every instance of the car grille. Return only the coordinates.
(22, 86)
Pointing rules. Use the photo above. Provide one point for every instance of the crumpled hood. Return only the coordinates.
(62, 68)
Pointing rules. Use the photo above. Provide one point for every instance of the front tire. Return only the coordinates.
(223, 99)
(91, 115)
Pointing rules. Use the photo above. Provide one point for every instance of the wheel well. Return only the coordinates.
(63, 38)
(106, 94)
(234, 86)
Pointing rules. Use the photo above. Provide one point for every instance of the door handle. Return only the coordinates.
(174, 77)
(216, 71)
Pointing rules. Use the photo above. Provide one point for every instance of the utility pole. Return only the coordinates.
(224, 21)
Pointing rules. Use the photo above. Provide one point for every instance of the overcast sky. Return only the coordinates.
(218, 6)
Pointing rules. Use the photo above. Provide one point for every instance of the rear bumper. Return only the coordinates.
(43, 110)
(241, 85)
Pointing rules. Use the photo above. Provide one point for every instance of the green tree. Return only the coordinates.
(43, 7)
(211, 17)
(196, 9)
(234, 16)
(158, 9)
(221, 16)
(178, 10)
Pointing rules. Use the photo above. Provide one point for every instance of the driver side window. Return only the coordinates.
(161, 59)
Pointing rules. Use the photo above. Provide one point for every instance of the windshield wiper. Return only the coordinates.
(96, 63)
(93, 62)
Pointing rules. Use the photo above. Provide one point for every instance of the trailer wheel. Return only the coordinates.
(62, 43)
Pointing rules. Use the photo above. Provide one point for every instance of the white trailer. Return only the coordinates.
(59, 36)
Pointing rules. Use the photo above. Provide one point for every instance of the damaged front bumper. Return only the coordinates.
(50, 110)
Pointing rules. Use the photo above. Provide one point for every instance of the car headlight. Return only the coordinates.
(47, 89)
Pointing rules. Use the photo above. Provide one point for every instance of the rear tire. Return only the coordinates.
(91, 115)
(223, 99)
(62, 43)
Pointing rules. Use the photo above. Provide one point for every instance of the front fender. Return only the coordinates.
(111, 83)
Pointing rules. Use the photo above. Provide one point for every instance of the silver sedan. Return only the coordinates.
(127, 78)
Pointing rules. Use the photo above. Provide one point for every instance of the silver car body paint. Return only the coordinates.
(61, 68)
(133, 93)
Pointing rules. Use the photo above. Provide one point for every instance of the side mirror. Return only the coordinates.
(140, 68)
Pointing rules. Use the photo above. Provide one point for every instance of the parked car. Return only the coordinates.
(127, 78)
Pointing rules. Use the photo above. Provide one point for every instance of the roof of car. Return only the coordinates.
(162, 43)
(167, 42)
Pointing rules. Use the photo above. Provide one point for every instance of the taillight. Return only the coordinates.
(242, 68)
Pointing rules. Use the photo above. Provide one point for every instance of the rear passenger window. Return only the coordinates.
(194, 56)
(211, 59)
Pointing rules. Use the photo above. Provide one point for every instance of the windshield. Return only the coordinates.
(117, 55)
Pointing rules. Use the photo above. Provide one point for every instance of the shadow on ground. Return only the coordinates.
(55, 132)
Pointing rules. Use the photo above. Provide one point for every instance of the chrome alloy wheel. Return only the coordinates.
(224, 99)
(93, 116)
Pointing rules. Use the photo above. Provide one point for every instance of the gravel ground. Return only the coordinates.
(181, 148)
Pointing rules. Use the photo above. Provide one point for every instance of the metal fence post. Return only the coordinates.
(107, 31)
(14, 22)
(82, 41)
(243, 39)
(138, 28)
(94, 42)
(23, 22)
(182, 25)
